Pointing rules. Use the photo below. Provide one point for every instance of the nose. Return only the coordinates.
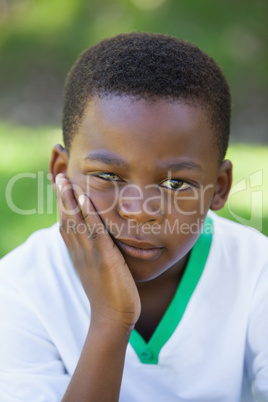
(141, 205)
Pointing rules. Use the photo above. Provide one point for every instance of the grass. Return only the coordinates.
(25, 150)
(25, 153)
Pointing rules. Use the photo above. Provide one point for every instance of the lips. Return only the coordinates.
(141, 250)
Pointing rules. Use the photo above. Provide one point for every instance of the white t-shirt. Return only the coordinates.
(211, 345)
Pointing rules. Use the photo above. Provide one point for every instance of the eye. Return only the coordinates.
(107, 176)
(175, 184)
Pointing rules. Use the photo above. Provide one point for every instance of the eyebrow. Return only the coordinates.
(107, 159)
(110, 160)
(186, 165)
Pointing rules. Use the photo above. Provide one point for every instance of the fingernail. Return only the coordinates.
(58, 181)
(81, 199)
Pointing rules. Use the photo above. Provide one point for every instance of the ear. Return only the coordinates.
(58, 162)
(223, 185)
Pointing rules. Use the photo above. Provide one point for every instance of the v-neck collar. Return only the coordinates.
(148, 352)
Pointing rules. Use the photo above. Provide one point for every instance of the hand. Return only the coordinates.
(103, 272)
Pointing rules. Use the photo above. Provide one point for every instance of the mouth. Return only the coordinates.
(140, 250)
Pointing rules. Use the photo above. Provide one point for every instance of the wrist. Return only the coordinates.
(107, 327)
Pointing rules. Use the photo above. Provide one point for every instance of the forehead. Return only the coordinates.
(160, 128)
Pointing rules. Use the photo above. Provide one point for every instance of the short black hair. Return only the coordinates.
(150, 66)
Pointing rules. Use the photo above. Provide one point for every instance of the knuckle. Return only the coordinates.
(62, 196)
(62, 224)
(73, 229)
(81, 228)
(97, 231)
(71, 226)
(86, 216)
(93, 234)
(58, 194)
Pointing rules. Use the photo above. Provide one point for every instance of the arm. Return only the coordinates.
(99, 371)
(113, 296)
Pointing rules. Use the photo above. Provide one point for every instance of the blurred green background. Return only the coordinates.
(41, 39)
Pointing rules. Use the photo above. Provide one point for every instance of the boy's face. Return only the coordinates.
(152, 172)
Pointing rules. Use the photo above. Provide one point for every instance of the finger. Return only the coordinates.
(67, 240)
(68, 225)
(81, 233)
(83, 219)
(97, 231)
(71, 210)
(71, 216)
(65, 192)
(70, 244)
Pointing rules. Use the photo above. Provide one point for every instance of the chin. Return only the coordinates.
(142, 271)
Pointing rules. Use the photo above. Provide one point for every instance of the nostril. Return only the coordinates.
(140, 204)
(140, 215)
(128, 209)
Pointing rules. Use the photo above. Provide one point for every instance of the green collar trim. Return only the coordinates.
(148, 352)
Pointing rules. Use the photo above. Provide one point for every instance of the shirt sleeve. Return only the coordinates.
(31, 369)
(257, 340)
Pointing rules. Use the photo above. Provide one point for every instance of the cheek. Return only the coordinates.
(183, 226)
(194, 203)
(105, 202)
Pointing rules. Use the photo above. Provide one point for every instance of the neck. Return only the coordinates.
(169, 279)
(156, 295)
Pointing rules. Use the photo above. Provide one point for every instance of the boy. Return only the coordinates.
(149, 297)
